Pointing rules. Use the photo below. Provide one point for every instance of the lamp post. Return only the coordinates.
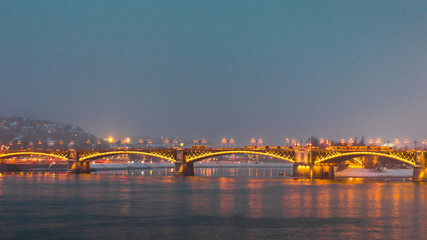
(111, 141)
(378, 141)
(260, 142)
(424, 144)
(253, 142)
(406, 143)
(396, 143)
(371, 142)
(287, 142)
(224, 142)
(231, 142)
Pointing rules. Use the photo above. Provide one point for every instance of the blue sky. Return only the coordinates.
(213, 69)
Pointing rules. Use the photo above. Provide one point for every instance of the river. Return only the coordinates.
(234, 203)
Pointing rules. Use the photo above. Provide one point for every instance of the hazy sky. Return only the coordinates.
(213, 69)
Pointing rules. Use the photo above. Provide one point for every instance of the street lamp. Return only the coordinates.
(287, 142)
(231, 142)
(406, 143)
(111, 141)
(204, 142)
(260, 142)
(342, 141)
(253, 142)
(224, 142)
(378, 141)
(371, 142)
(396, 142)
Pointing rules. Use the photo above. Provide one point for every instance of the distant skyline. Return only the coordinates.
(214, 69)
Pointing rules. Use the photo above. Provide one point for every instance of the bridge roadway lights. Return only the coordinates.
(312, 171)
(78, 167)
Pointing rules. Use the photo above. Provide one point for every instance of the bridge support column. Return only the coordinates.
(75, 166)
(420, 174)
(183, 168)
(301, 170)
(320, 171)
(420, 171)
(312, 171)
(304, 167)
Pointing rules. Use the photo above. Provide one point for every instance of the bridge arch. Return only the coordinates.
(19, 154)
(214, 154)
(339, 157)
(95, 156)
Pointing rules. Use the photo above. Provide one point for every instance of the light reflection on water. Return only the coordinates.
(251, 204)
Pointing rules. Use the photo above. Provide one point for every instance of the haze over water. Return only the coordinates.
(231, 204)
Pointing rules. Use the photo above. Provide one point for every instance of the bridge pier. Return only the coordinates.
(183, 168)
(304, 167)
(312, 171)
(301, 170)
(420, 170)
(319, 171)
(76, 166)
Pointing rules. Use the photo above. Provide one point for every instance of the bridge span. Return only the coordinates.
(307, 162)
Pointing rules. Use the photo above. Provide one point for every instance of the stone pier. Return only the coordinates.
(183, 168)
(420, 170)
(304, 166)
(75, 166)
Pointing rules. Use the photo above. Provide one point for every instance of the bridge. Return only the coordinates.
(307, 162)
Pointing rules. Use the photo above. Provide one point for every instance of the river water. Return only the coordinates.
(236, 203)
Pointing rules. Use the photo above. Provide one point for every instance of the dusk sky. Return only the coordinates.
(214, 69)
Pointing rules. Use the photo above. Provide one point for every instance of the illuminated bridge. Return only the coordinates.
(307, 162)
